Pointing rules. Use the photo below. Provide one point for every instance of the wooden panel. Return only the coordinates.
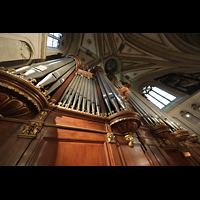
(53, 132)
(195, 158)
(115, 154)
(13, 148)
(159, 156)
(6, 131)
(56, 118)
(134, 156)
(155, 152)
(178, 158)
(71, 153)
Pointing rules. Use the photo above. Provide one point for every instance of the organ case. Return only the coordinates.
(63, 115)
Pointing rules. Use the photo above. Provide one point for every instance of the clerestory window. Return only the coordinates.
(157, 96)
(53, 40)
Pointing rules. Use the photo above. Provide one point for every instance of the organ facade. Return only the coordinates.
(57, 113)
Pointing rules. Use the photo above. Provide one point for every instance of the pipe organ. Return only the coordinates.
(62, 114)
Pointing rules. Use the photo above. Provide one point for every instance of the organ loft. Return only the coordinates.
(74, 103)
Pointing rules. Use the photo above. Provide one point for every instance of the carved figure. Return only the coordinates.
(130, 139)
(111, 138)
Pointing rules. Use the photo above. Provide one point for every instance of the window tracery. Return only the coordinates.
(157, 96)
(53, 39)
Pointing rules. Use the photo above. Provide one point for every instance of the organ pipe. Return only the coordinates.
(55, 75)
(163, 116)
(108, 91)
(81, 93)
(69, 88)
(116, 94)
(71, 92)
(60, 81)
(151, 115)
(42, 70)
(85, 95)
(77, 92)
(89, 95)
(96, 98)
(26, 68)
(92, 96)
(104, 94)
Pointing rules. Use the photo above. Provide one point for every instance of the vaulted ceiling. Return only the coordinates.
(140, 54)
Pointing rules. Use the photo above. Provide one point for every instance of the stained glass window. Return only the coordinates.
(157, 96)
(53, 39)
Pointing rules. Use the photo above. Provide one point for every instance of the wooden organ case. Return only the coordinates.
(56, 113)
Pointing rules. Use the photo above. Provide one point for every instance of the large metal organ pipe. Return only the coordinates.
(110, 94)
(26, 68)
(42, 70)
(161, 116)
(151, 115)
(96, 98)
(105, 97)
(108, 91)
(138, 107)
(48, 75)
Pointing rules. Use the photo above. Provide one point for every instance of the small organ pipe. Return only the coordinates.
(89, 95)
(78, 91)
(81, 93)
(73, 92)
(85, 95)
(92, 96)
(69, 90)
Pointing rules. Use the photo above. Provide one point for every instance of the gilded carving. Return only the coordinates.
(31, 130)
(12, 107)
(129, 138)
(42, 114)
(111, 138)
(21, 93)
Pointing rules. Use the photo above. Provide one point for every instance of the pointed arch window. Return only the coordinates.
(53, 39)
(157, 96)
